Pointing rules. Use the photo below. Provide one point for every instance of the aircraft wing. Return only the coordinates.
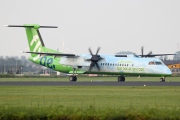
(153, 55)
(52, 54)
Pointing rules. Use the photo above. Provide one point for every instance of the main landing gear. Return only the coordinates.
(121, 78)
(73, 77)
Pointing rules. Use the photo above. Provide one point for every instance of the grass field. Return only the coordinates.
(100, 97)
(88, 102)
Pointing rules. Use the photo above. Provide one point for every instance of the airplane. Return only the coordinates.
(126, 64)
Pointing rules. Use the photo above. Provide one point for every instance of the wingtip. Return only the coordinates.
(5, 25)
(22, 51)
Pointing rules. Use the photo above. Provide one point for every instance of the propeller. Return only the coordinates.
(94, 59)
(142, 53)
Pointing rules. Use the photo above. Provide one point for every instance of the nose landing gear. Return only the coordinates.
(121, 78)
(162, 79)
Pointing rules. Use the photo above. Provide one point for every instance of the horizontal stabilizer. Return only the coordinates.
(51, 54)
(31, 26)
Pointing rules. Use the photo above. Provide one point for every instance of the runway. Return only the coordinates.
(42, 83)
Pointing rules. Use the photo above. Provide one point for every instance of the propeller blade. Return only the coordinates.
(88, 59)
(90, 51)
(97, 50)
(142, 50)
(97, 66)
(90, 68)
(101, 58)
(149, 54)
(91, 65)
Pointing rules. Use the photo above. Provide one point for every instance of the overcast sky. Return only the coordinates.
(114, 25)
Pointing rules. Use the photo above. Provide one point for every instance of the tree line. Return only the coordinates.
(19, 65)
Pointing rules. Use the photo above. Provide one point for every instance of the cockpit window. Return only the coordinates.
(158, 63)
(155, 63)
(151, 63)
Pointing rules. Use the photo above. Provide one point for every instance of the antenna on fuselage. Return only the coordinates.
(63, 47)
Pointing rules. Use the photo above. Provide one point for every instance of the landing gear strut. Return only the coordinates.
(162, 79)
(121, 78)
(73, 77)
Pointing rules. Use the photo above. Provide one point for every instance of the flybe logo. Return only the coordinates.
(38, 43)
(47, 62)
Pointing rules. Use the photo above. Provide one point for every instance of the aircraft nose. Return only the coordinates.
(168, 71)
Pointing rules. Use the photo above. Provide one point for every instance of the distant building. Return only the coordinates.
(174, 64)
(177, 56)
(175, 68)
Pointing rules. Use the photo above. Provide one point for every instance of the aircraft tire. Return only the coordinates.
(121, 78)
(162, 79)
(73, 78)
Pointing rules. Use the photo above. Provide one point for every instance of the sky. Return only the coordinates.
(112, 25)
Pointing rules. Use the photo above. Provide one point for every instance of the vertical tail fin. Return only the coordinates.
(35, 41)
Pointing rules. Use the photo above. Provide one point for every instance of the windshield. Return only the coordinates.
(155, 63)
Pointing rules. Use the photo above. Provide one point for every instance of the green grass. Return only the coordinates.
(123, 97)
(86, 102)
(86, 78)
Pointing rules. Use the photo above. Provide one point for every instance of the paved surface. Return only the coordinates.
(31, 83)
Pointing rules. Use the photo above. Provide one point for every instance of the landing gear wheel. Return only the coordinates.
(121, 78)
(73, 78)
(162, 79)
